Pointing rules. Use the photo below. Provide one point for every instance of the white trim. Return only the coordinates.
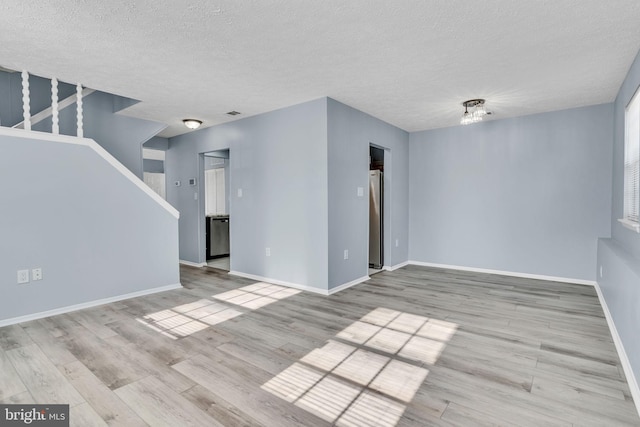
(507, 273)
(132, 177)
(395, 267)
(89, 304)
(325, 292)
(44, 136)
(153, 154)
(193, 264)
(280, 282)
(631, 225)
(626, 365)
(348, 285)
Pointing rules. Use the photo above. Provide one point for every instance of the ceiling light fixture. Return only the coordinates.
(477, 113)
(192, 123)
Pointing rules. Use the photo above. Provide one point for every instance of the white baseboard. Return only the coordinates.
(301, 287)
(507, 273)
(279, 282)
(347, 285)
(84, 305)
(193, 264)
(397, 266)
(626, 365)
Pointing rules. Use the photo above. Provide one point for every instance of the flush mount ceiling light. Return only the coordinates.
(192, 123)
(476, 114)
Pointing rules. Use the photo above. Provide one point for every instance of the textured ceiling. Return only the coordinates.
(410, 63)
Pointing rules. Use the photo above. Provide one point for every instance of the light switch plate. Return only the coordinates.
(360, 191)
(239, 192)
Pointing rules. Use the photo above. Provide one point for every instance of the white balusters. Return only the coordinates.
(26, 105)
(79, 109)
(55, 127)
(54, 110)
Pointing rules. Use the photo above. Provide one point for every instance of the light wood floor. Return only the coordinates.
(413, 347)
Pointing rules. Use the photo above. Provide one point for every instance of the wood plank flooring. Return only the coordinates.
(414, 347)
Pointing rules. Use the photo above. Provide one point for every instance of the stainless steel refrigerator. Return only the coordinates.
(218, 236)
(376, 194)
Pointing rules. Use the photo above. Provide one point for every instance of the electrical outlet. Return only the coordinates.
(267, 251)
(360, 191)
(239, 192)
(23, 276)
(195, 196)
(36, 274)
(346, 254)
(397, 242)
(601, 272)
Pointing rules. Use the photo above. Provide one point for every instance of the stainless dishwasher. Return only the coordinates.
(218, 236)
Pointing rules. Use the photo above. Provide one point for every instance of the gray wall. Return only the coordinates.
(620, 285)
(120, 135)
(350, 132)
(528, 195)
(619, 257)
(94, 233)
(157, 143)
(279, 160)
(627, 239)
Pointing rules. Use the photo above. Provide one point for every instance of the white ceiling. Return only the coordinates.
(408, 62)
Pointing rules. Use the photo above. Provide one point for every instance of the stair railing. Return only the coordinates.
(54, 110)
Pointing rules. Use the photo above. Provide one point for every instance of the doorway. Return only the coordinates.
(376, 209)
(153, 170)
(216, 209)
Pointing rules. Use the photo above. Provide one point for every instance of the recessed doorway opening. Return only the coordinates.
(376, 209)
(216, 210)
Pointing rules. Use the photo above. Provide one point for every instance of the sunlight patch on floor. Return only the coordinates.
(257, 295)
(408, 335)
(369, 379)
(187, 319)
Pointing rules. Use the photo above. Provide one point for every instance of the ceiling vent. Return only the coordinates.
(233, 113)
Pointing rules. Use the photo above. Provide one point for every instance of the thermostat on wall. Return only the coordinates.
(192, 181)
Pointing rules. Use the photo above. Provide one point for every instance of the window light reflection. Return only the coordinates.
(329, 398)
(257, 295)
(187, 319)
(293, 382)
(365, 383)
(400, 380)
(359, 332)
(372, 409)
